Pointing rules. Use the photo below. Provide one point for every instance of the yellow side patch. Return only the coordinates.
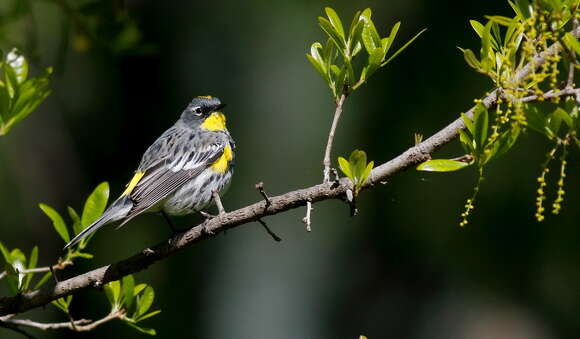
(131, 185)
(221, 164)
(215, 122)
(205, 97)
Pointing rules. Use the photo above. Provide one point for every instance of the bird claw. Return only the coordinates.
(206, 230)
(206, 215)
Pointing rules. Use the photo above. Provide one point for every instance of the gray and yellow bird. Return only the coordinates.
(180, 171)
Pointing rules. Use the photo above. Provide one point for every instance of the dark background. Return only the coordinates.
(403, 268)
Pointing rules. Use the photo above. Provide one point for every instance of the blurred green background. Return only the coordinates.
(403, 268)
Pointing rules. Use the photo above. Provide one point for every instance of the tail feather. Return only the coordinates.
(116, 211)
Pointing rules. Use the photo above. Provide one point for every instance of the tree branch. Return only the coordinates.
(82, 325)
(210, 228)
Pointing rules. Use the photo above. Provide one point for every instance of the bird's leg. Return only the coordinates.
(173, 229)
(218, 203)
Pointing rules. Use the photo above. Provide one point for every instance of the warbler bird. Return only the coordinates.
(180, 171)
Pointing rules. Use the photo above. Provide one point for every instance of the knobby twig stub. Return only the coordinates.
(260, 188)
(306, 219)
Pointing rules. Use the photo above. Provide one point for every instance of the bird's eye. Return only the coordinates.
(197, 110)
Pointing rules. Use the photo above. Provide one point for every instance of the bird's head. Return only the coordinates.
(205, 111)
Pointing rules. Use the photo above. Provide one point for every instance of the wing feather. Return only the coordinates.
(165, 178)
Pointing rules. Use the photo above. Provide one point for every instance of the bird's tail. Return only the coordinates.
(118, 210)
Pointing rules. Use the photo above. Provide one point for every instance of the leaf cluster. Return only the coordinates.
(334, 59)
(356, 168)
(19, 93)
(15, 263)
(130, 300)
(126, 297)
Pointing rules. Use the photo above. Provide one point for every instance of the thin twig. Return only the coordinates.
(272, 234)
(58, 266)
(47, 326)
(326, 162)
(260, 188)
(82, 325)
(306, 219)
(570, 82)
(294, 199)
(568, 91)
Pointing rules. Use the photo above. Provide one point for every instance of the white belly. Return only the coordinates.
(197, 193)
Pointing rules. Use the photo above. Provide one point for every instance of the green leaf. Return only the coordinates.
(466, 142)
(367, 171)
(355, 34)
(340, 81)
(442, 165)
(403, 48)
(477, 27)
(84, 255)
(95, 204)
(5, 253)
(505, 142)
(317, 66)
(139, 288)
(370, 36)
(113, 292)
(335, 22)
(149, 331)
(128, 290)
(12, 280)
(481, 121)
(522, 8)
(358, 162)
(332, 33)
(468, 123)
(145, 301)
(18, 258)
(10, 80)
(374, 62)
(62, 303)
(496, 36)
(31, 93)
(74, 216)
(42, 280)
(571, 42)
(536, 120)
(32, 261)
(4, 104)
(356, 21)
(471, 59)
(564, 116)
(554, 122)
(486, 53)
(57, 221)
(148, 315)
(345, 167)
(501, 20)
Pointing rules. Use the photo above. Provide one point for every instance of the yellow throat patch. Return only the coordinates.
(215, 122)
(131, 185)
(221, 164)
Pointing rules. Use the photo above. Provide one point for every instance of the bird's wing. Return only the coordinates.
(165, 177)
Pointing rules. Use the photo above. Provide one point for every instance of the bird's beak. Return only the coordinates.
(220, 107)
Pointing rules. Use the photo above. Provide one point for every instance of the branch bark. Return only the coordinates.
(325, 191)
(326, 162)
